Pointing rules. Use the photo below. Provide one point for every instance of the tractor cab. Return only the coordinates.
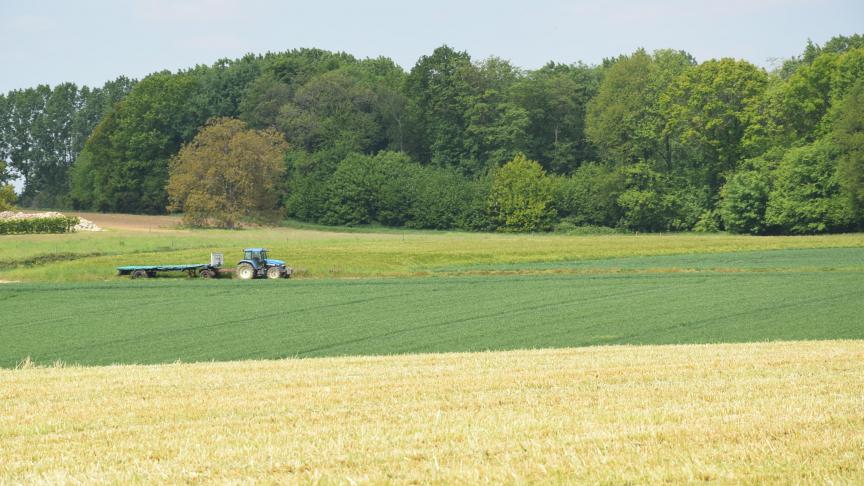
(256, 256)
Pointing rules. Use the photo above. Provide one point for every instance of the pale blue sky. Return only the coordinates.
(91, 41)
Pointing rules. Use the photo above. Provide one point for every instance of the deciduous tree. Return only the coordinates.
(227, 174)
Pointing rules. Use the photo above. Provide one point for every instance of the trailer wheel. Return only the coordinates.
(274, 272)
(206, 273)
(245, 271)
(140, 274)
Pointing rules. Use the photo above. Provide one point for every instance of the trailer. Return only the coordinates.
(203, 270)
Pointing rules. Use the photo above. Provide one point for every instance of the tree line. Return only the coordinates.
(647, 141)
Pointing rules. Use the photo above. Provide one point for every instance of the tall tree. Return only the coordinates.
(24, 109)
(555, 98)
(124, 165)
(848, 134)
(439, 92)
(618, 121)
(707, 111)
(497, 127)
(226, 174)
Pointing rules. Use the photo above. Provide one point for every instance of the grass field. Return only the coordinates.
(768, 413)
(327, 253)
(762, 298)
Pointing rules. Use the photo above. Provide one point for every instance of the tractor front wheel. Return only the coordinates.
(245, 271)
(274, 272)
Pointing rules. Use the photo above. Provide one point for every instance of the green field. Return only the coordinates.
(330, 253)
(665, 300)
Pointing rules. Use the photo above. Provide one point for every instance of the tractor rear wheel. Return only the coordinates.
(245, 271)
(274, 272)
(140, 274)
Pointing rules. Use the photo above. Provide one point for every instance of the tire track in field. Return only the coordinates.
(187, 330)
(701, 322)
(491, 315)
(140, 302)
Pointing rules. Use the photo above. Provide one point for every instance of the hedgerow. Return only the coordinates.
(54, 224)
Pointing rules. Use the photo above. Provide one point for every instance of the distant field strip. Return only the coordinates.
(192, 320)
(823, 259)
(766, 413)
(331, 254)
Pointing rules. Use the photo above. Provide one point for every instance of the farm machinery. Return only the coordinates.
(255, 264)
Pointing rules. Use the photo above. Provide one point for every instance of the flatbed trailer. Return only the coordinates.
(203, 270)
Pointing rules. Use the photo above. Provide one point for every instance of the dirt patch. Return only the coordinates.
(135, 222)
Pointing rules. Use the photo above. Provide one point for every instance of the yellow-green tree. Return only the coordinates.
(521, 196)
(227, 174)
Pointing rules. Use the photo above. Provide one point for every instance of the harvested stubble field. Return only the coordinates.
(760, 413)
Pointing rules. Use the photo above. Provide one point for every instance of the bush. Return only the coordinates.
(7, 197)
(709, 222)
(643, 203)
(521, 197)
(653, 201)
(474, 216)
(57, 224)
(589, 196)
(744, 201)
(570, 226)
(441, 199)
(371, 189)
(806, 197)
(306, 190)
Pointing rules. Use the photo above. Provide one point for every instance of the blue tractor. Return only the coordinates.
(255, 264)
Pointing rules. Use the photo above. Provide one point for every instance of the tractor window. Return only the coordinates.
(263, 255)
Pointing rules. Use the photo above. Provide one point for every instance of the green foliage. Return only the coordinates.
(810, 93)
(806, 194)
(692, 126)
(623, 120)
(43, 129)
(521, 197)
(709, 221)
(707, 109)
(332, 109)
(7, 197)
(440, 91)
(127, 156)
(444, 199)
(56, 224)
(307, 182)
(848, 134)
(589, 197)
(744, 201)
(263, 100)
(366, 189)
(555, 98)
(643, 203)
